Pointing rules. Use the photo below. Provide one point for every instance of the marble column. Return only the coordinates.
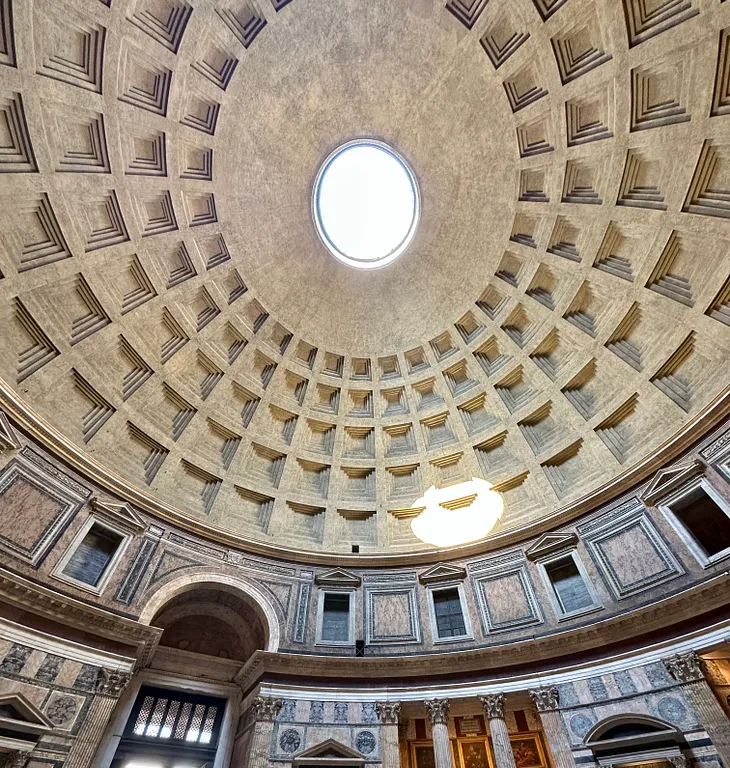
(388, 713)
(547, 700)
(109, 687)
(403, 732)
(686, 669)
(265, 709)
(493, 704)
(438, 713)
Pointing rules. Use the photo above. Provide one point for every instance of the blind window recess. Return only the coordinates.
(92, 556)
(705, 520)
(449, 614)
(569, 586)
(336, 617)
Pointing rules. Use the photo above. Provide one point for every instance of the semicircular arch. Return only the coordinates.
(248, 591)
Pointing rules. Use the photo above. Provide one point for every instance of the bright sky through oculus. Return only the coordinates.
(457, 514)
(366, 204)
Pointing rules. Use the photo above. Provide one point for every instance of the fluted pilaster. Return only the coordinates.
(686, 669)
(547, 701)
(109, 688)
(493, 704)
(438, 713)
(389, 713)
(265, 709)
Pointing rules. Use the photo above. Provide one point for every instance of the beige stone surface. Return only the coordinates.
(139, 199)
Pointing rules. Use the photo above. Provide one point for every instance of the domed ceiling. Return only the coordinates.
(563, 310)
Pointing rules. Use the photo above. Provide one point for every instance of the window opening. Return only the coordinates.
(449, 614)
(705, 520)
(93, 555)
(169, 728)
(569, 585)
(336, 617)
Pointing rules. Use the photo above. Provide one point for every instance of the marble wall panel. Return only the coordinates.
(629, 551)
(35, 507)
(392, 616)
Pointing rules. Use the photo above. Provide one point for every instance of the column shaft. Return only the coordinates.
(89, 735)
(389, 742)
(438, 712)
(109, 687)
(712, 716)
(265, 710)
(557, 740)
(493, 704)
(687, 669)
(441, 745)
(258, 753)
(503, 755)
(388, 713)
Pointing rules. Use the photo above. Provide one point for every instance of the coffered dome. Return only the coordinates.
(172, 320)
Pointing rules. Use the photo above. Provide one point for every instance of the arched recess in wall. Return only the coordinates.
(250, 593)
(629, 739)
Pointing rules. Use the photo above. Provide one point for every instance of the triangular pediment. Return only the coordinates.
(330, 749)
(120, 514)
(668, 480)
(8, 439)
(337, 577)
(442, 572)
(19, 714)
(549, 543)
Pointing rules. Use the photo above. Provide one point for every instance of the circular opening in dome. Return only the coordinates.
(365, 204)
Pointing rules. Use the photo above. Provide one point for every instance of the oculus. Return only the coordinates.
(365, 204)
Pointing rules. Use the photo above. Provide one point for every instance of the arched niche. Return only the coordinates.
(224, 600)
(632, 739)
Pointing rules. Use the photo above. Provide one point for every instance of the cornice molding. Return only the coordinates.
(20, 413)
(73, 613)
(550, 543)
(541, 652)
(668, 480)
(121, 515)
(442, 572)
(337, 577)
(8, 439)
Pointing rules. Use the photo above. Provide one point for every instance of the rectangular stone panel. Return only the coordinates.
(505, 593)
(34, 509)
(391, 615)
(629, 551)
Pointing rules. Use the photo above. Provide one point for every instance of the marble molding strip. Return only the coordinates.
(481, 661)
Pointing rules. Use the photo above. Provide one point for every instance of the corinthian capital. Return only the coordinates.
(545, 698)
(438, 710)
(16, 759)
(493, 704)
(388, 712)
(685, 667)
(111, 682)
(266, 708)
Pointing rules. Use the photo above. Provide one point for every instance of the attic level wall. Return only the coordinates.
(629, 552)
